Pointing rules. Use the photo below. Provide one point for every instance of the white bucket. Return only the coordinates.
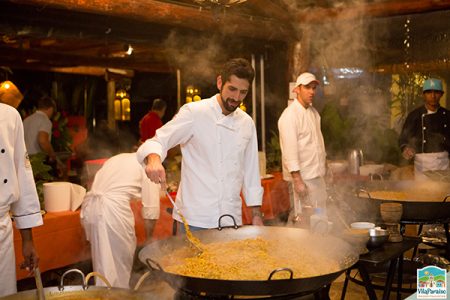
(57, 196)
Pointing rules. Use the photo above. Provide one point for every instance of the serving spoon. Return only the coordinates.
(195, 242)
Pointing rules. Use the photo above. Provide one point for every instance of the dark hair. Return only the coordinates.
(239, 67)
(46, 102)
(159, 104)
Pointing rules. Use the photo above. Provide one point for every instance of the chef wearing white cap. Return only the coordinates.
(303, 148)
(425, 135)
(17, 191)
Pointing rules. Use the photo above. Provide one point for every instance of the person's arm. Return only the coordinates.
(407, 138)
(252, 189)
(150, 206)
(30, 256)
(149, 225)
(153, 152)
(46, 146)
(257, 216)
(299, 185)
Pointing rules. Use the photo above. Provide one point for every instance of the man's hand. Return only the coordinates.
(257, 216)
(408, 153)
(155, 170)
(300, 188)
(31, 259)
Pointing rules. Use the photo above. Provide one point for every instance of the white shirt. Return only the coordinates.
(32, 125)
(122, 179)
(219, 158)
(301, 142)
(17, 186)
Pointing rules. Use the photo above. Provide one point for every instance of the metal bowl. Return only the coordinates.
(377, 237)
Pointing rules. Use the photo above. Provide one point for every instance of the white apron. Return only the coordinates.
(429, 162)
(7, 257)
(109, 226)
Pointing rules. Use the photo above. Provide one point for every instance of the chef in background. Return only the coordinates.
(425, 135)
(303, 149)
(108, 220)
(17, 193)
(219, 153)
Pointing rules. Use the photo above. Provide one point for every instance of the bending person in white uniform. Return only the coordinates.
(219, 153)
(17, 192)
(108, 220)
(303, 149)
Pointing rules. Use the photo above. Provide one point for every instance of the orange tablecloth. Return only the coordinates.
(275, 199)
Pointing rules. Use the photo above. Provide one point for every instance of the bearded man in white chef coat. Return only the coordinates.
(17, 193)
(219, 153)
(108, 220)
(303, 149)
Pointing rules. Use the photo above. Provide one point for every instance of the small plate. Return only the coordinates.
(267, 176)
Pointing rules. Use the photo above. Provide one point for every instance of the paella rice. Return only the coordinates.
(249, 259)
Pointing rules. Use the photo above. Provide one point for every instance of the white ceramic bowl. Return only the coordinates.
(366, 170)
(338, 166)
(362, 225)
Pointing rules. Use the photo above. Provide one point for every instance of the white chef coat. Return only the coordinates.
(303, 150)
(32, 125)
(301, 142)
(108, 220)
(219, 158)
(17, 193)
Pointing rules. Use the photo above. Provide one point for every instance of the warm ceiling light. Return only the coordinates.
(129, 50)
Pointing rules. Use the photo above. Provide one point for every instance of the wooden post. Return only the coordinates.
(111, 94)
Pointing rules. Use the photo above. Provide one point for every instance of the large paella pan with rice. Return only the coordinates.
(250, 260)
(423, 201)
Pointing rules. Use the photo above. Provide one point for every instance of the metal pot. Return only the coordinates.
(153, 253)
(434, 208)
(355, 160)
(81, 292)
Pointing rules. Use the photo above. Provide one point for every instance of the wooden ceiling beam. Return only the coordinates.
(380, 9)
(38, 59)
(227, 23)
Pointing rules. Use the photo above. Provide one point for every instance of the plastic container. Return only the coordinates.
(318, 222)
(57, 196)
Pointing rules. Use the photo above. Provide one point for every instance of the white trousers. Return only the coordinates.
(317, 190)
(109, 227)
(8, 283)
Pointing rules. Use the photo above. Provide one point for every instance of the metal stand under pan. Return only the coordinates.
(321, 294)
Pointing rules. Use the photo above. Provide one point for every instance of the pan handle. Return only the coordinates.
(234, 221)
(359, 191)
(373, 176)
(61, 283)
(281, 270)
(150, 261)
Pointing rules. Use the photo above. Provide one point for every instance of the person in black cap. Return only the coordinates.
(425, 134)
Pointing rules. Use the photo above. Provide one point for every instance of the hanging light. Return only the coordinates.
(122, 107)
(193, 94)
(10, 94)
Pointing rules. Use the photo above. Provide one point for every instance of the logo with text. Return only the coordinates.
(431, 283)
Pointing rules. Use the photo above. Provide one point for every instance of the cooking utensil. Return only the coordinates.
(194, 242)
(426, 201)
(39, 286)
(81, 292)
(153, 253)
